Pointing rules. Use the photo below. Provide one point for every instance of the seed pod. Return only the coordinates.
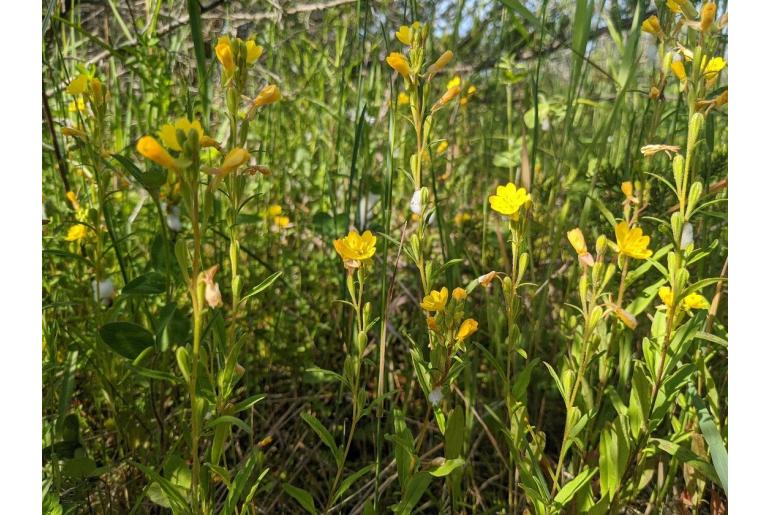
(583, 288)
(696, 123)
(678, 165)
(677, 220)
(692, 199)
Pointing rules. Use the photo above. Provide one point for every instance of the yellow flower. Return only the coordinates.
(76, 233)
(467, 328)
(695, 301)
(405, 33)
(73, 200)
(628, 189)
(690, 302)
(435, 300)
(441, 148)
(441, 62)
(355, 247)
(447, 97)
(78, 85)
(253, 51)
(268, 95)
(713, 67)
(575, 237)
(509, 200)
(168, 132)
(432, 325)
(399, 63)
(673, 6)
(274, 210)
(459, 293)
(461, 218)
(234, 159)
(707, 13)
(152, 150)
(632, 242)
(224, 53)
(677, 67)
(281, 221)
(471, 90)
(666, 295)
(454, 82)
(651, 25)
(403, 98)
(77, 105)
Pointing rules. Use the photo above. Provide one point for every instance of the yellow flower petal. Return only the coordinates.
(399, 63)
(435, 300)
(268, 95)
(78, 85)
(152, 150)
(355, 247)
(76, 233)
(509, 200)
(224, 53)
(253, 51)
(467, 328)
(632, 242)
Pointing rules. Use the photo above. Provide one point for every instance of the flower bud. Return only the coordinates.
(441, 62)
(601, 245)
(447, 97)
(652, 26)
(707, 13)
(583, 288)
(696, 123)
(459, 293)
(268, 95)
(400, 63)
(692, 198)
(678, 165)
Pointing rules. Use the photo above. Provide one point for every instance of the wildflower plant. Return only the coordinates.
(426, 280)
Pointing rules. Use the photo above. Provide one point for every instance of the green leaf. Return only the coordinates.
(229, 419)
(348, 482)
(711, 434)
(248, 402)
(303, 497)
(613, 455)
(556, 380)
(150, 283)
(151, 180)
(416, 486)
(685, 455)
(455, 433)
(569, 490)
(324, 434)
(126, 338)
(263, 285)
(447, 467)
